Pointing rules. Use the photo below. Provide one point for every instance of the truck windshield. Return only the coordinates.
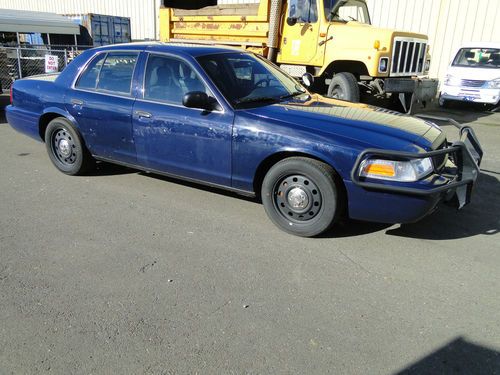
(347, 10)
(478, 58)
(246, 80)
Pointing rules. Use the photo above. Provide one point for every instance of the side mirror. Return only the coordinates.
(197, 99)
(308, 79)
(291, 21)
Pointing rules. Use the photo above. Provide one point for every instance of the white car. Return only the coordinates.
(473, 75)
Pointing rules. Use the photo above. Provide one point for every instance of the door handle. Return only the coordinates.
(143, 114)
(77, 102)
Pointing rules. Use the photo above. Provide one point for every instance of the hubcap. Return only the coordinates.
(337, 92)
(63, 146)
(297, 198)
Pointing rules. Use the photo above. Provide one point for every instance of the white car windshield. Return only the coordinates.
(478, 58)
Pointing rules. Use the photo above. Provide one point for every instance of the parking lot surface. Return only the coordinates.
(127, 272)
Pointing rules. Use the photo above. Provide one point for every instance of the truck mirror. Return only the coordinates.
(308, 79)
(291, 21)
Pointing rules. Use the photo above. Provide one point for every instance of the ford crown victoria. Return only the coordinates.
(230, 119)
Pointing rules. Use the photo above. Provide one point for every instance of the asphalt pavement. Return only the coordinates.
(123, 272)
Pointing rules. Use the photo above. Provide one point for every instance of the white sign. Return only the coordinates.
(51, 64)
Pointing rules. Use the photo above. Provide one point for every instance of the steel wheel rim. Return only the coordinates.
(297, 198)
(337, 92)
(63, 146)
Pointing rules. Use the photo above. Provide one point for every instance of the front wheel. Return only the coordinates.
(300, 196)
(344, 86)
(66, 148)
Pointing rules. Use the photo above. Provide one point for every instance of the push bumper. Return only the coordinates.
(415, 201)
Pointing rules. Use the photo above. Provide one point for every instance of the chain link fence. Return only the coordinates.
(20, 62)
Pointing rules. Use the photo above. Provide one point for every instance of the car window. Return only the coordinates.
(88, 80)
(478, 58)
(243, 77)
(168, 79)
(116, 72)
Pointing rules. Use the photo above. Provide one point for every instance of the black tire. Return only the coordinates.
(443, 103)
(300, 196)
(66, 148)
(344, 86)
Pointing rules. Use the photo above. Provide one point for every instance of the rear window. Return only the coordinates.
(116, 72)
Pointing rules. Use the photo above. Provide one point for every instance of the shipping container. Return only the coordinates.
(103, 29)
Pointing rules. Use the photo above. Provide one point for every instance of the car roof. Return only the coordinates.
(194, 50)
(480, 45)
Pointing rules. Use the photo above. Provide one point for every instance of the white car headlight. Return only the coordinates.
(393, 170)
(494, 84)
(449, 80)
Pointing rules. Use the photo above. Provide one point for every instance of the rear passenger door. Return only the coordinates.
(101, 102)
(174, 139)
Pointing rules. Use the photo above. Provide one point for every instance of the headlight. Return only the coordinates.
(392, 170)
(495, 84)
(383, 64)
(427, 65)
(449, 80)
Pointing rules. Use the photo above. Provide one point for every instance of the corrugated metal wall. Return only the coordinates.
(448, 23)
(143, 14)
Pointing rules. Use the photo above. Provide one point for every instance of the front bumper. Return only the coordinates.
(422, 90)
(408, 202)
(467, 94)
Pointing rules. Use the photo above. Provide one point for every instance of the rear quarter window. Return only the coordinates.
(88, 80)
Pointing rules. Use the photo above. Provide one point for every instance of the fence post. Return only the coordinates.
(65, 57)
(19, 62)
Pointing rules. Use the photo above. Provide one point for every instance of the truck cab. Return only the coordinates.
(332, 40)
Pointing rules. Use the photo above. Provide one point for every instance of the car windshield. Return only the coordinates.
(346, 10)
(246, 80)
(478, 58)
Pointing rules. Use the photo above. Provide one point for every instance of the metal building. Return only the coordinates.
(448, 23)
(143, 14)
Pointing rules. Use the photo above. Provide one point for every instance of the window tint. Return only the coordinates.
(169, 79)
(88, 80)
(116, 72)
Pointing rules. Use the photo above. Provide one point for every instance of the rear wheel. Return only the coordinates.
(300, 196)
(344, 86)
(66, 149)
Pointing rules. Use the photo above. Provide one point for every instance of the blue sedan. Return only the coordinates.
(231, 119)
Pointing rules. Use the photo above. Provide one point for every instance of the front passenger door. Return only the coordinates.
(174, 139)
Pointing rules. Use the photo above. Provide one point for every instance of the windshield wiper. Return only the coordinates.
(291, 95)
(257, 99)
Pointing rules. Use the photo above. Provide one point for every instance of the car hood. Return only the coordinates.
(364, 123)
(481, 74)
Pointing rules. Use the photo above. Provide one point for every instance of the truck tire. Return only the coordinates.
(344, 86)
(66, 148)
(300, 196)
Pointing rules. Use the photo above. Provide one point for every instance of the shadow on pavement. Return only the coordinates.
(110, 169)
(457, 357)
(459, 111)
(481, 216)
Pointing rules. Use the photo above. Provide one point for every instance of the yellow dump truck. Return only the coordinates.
(332, 40)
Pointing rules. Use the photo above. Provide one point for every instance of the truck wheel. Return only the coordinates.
(66, 149)
(344, 86)
(300, 196)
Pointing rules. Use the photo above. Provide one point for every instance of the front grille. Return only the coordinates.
(408, 57)
(471, 83)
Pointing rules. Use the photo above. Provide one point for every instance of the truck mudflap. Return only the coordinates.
(466, 154)
(413, 92)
